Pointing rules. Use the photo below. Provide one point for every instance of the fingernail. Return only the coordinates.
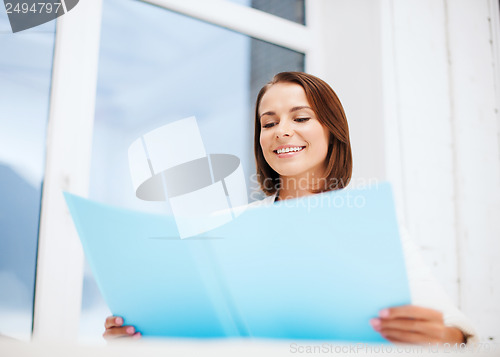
(384, 313)
(130, 330)
(137, 335)
(119, 321)
(375, 324)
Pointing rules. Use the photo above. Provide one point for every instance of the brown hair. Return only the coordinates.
(328, 109)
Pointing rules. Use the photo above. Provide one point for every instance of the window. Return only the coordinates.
(293, 10)
(165, 68)
(25, 79)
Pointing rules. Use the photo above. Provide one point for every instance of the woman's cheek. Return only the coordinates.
(261, 141)
(264, 141)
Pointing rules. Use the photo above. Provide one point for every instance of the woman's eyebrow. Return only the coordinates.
(294, 109)
(267, 113)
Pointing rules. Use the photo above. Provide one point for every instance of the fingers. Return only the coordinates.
(113, 321)
(412, 324)
(114, 329)
(408, 337)
(430, 328)
(410, 330)
(411, 312)
(125, 331)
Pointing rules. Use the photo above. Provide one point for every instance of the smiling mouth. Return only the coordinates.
(289, 150)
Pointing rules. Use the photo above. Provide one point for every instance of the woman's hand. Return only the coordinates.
(114, 329)
(415, 325)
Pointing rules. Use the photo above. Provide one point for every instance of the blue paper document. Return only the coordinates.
(316, 268)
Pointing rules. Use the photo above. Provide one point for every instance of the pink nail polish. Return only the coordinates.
(384, 313)
(130, 330)
(137, 336)
(375, 324)
(119, 321)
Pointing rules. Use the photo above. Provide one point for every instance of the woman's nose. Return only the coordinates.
(284, 129)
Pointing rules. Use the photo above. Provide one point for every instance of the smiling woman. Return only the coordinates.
(292, 139)
(301, 139)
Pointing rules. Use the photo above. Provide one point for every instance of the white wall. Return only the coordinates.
(473, 30)
(420, 84)
(352, 66)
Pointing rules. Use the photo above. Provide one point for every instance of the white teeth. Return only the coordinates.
(292, 149)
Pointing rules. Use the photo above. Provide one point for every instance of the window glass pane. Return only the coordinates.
(25, 77)
(293, 10)
(164, 68)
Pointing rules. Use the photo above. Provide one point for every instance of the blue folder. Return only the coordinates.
(314, 268)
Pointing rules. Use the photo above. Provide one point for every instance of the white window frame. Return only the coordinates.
(59, 274)
(59, 271)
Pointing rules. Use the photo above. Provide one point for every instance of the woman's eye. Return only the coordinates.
(268, 125)
(301, 120)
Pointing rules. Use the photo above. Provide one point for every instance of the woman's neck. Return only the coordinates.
(292, 187)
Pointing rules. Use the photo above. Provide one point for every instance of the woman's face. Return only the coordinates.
(293, 141)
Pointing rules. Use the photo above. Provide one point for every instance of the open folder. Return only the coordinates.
(316, 268)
